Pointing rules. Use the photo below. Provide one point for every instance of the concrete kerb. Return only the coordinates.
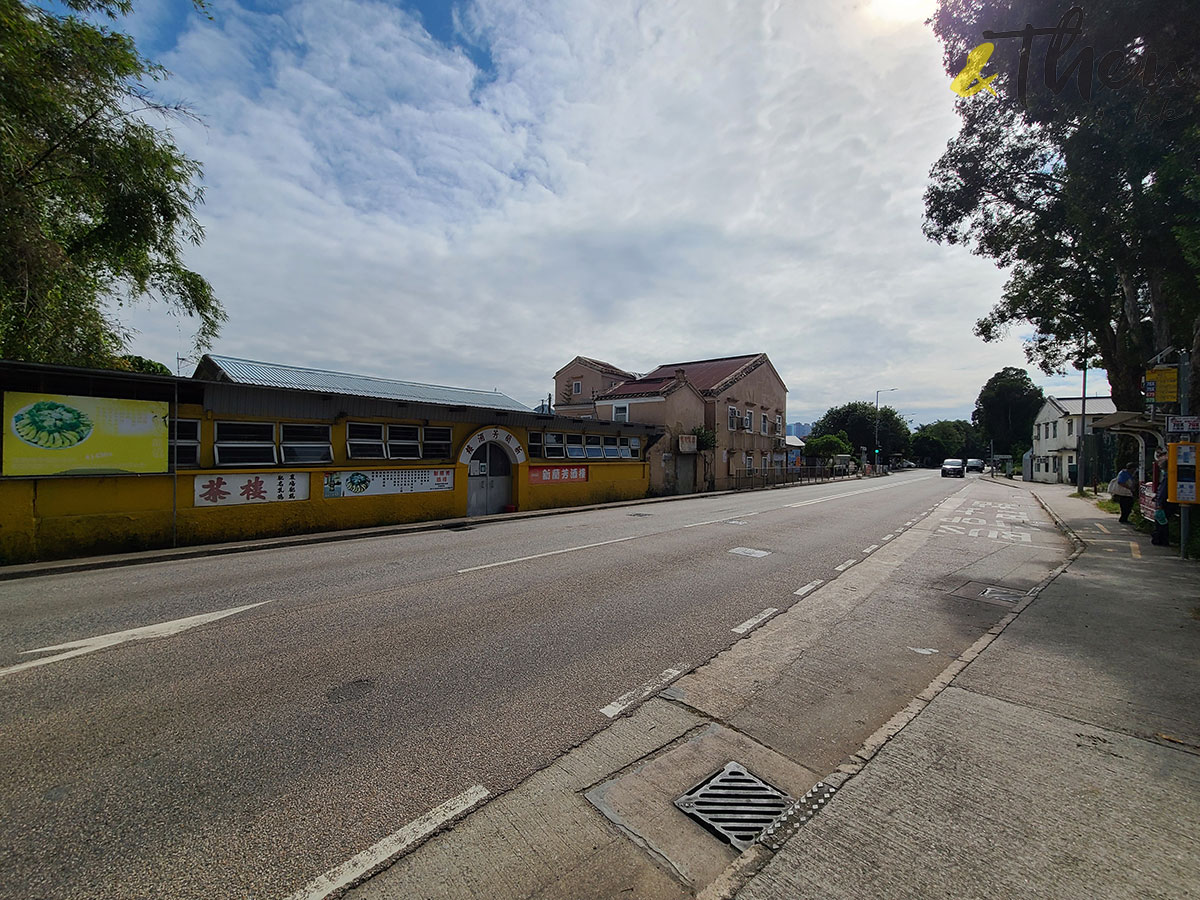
(200, 551)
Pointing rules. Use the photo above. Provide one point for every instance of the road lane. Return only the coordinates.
(243, 757)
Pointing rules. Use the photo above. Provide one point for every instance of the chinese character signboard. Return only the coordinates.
(1162, 385)
(264, 487)
(388, 481)
(557, 474)
(57, 434)
(500, 436)
(1182, 424)
(687, 443)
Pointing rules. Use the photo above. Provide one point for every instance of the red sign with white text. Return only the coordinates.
(557, 474)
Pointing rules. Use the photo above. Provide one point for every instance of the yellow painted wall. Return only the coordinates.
(607, 482)
(55, 518)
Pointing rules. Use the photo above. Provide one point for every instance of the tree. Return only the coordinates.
(1006, 408)
(131, 363)
(857, 420)
(826, 447)
(945, 439)
(1078, 184)
(95, 203)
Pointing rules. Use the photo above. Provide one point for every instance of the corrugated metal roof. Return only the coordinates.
(248, 371)
(1096, 406)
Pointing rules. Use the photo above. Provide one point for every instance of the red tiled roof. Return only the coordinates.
(602, 366)
(705, 375)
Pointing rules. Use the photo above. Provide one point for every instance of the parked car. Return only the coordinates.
(974, 465)
(953, 468)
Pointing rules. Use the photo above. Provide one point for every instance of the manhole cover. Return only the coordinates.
(734, 804)
(800, 813)
(639, 515)
(990, 593)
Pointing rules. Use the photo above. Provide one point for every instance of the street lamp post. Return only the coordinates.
(877, 393)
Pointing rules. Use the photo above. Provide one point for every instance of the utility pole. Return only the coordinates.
(1080, 453)
(877, 393)
(1185, 509)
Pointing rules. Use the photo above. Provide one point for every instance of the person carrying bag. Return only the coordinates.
(1124, 488)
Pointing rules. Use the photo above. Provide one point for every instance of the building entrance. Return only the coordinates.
(489, 481)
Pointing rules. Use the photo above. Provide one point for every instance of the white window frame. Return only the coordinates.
(1055, 424)
(620, 412)
(535, 444)
(734, 415)
(1070, 427)
(442, 438)
(748, 420)
(176, 443)
(612, 449)
(779, 424)
(405, 447)
(575, 446)
(555, 445)
(360, 447)
(219, 444)
(765, 425)
(576, 387)
(625, 450)
(315, 451)
(593, 442)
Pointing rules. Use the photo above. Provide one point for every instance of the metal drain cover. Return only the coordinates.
(800, 813)
(734, 804)
(639, 515)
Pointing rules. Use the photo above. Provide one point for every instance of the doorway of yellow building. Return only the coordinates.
(489, 480)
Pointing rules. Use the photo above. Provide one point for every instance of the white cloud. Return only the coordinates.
(642, 182)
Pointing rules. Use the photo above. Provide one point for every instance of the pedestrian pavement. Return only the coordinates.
(1061, 761)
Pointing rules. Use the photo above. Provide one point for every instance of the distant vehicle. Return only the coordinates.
(906, 464)
(974, 465)
(953, 468)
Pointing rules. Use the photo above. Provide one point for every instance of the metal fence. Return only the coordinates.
(756, 479)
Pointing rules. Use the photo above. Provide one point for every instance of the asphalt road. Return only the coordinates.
(376, 679)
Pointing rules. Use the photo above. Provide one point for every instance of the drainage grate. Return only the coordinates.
(639, 515)
(734, 804)
(799, 814)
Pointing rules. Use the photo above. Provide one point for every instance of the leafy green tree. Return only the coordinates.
(95, 203)
(1079, 187)
(131, 363)
(1006, 408)
(827, 446)
(857, 421)
(944, 439)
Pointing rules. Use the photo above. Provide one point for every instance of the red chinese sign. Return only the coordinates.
(557, 474)
(239, 488)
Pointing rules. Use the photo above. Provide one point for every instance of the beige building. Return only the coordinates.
(579, 382)
(1056, 435)
(741, 400)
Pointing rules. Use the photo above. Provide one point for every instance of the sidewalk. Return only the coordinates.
(1062, 762)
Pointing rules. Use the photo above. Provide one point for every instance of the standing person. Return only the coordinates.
(1125, 490)
(1161, 535)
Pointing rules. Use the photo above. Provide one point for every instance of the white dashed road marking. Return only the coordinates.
(623, 702)
(354, 868)
(750, 551)
(509, 562)
(872, 548)
(811, 586)
(757, 620)
(847, 564)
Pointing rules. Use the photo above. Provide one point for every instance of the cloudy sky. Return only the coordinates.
(472, 192)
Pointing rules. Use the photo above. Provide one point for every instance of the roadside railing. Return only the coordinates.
(759, 478)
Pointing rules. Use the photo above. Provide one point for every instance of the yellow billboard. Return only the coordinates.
(57, 434)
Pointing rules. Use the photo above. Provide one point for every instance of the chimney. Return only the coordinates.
(680, 377)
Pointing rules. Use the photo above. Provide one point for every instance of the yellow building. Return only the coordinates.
(100, 462)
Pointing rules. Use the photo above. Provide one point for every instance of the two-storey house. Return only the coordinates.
(1056, 434)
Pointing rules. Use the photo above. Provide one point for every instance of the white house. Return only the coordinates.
(1056, 432)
